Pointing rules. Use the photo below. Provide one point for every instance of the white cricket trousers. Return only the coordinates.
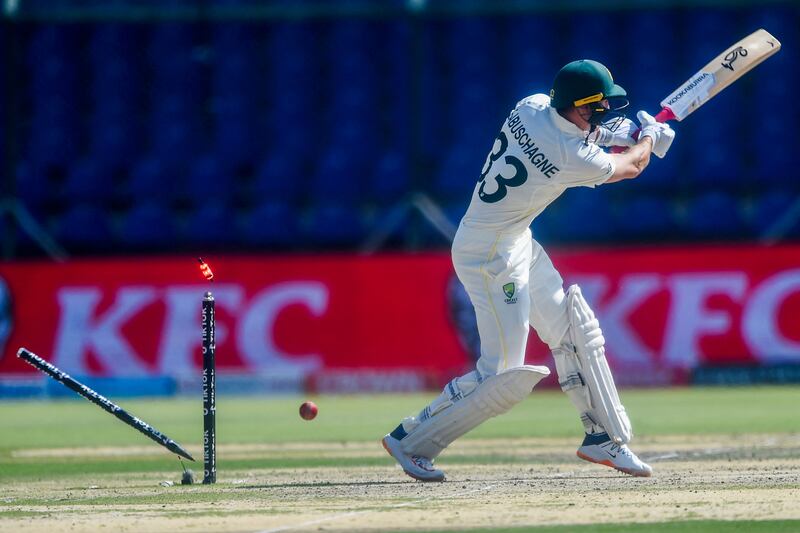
(513, 286)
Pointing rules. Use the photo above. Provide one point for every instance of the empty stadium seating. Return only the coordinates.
(289, 133)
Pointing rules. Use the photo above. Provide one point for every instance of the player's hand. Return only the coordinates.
(660, 132)
(622, 136)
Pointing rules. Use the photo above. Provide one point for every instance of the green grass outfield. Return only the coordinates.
(31, 425)
(244, 420)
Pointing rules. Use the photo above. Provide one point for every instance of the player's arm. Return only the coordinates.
(633, 161)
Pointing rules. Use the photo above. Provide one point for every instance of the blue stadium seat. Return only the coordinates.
(391, 178)
(291, 49)
(457, 174)
(290, 108)
(210, 180)
(777, 82)
(280, 177)
(52, 42)
(591, 41)
(148, 225)
(717, 25)
(235, 139)
(771, 142)
(355, 138)
(532, 71)
(434, 133)
(84, 226)
(349, 46)
(773, 148)
(33, 186)
(174, 73)
(48, 37)
(469, 111)
(429, 234)
(212, 224)
(335, 225)
(172, 105)
(339, 176)
(455, 211)
(53, 89)
(584, 215)
(114, 40)
(115, 104)
(294, 60)
(469, 48)
(545, 226)
(670, 174)
(113, 140)
(88, 181)
(272, 224)
(526, 28)
(174, 140)
(644, 218)
(715, 160)
(234, 39)
(115, 63)
(54, 82)
(770, 208)
(394, 78)
(355, 101)
(51, 143)
(167, 40)
(236, 75)
(350, 52)
(322, 117)
(278, 139)
(152, 179)
(665, 68)
(715, 215)
(236, 70)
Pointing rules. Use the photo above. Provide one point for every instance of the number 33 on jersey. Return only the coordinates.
(537, 156)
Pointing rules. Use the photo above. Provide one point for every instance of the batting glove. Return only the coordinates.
(622, 136)
(660, 132)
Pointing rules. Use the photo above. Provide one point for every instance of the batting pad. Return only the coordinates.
(496, 395)
(590, 349)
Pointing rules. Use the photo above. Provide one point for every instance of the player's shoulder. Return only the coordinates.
(535, 102)
(585, 163)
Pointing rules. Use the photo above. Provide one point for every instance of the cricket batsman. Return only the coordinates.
(546, 145)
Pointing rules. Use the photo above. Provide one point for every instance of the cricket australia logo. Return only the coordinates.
(733, 55)
(509, 289)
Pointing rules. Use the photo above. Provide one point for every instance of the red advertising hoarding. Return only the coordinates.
(335, 320)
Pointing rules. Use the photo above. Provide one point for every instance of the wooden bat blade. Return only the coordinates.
(723, 70)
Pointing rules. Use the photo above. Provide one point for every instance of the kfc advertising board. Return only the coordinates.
(331, 319)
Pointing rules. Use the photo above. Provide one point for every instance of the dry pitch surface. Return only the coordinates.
(539, 482)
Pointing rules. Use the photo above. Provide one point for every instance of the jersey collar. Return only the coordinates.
(565, 125)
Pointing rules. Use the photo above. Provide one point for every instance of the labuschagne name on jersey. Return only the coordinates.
(538, 159)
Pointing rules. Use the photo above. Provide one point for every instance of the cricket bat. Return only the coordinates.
(729, 66)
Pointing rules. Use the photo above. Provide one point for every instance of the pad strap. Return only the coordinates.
(495, 395)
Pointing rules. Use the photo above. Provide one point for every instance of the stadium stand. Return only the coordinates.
(292, 133)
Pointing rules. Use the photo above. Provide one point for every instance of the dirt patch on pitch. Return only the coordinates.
(538, 483)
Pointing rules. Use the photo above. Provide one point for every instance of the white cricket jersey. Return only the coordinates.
(536, 157)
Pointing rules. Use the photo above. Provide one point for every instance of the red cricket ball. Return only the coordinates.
(308, 410)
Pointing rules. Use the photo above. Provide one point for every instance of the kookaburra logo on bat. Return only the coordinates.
(732, 56)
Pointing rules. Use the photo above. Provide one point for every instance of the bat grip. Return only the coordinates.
(662, 116)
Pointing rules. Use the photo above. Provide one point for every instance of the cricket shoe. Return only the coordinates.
(602, 450)
(416, 466)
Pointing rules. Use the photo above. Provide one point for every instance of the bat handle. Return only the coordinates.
(663, 116)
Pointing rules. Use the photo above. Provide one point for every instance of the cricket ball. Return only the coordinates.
(308, 410)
